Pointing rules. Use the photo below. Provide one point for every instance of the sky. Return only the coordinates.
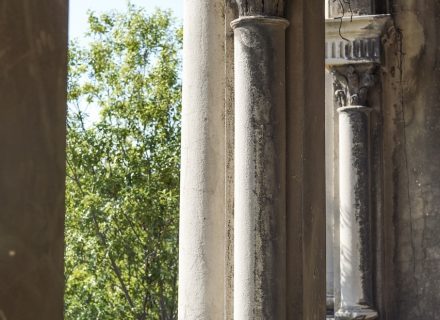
(78, 11)
(78, 20)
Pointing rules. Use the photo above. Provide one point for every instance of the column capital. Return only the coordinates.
(273, 8)
(352, 83)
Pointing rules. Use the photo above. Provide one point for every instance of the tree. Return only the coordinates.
(123, 168)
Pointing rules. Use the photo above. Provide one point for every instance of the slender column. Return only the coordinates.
(331, 208)
(352, 60)
(202, 207)
(259, 222)
(352, 85)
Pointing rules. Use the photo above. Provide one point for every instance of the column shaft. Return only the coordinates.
(355, 227)
(202, 207)
(259, 244)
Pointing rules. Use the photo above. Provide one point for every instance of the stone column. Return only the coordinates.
(353, 51)
(33, 80)
(259, 222)
(331, 209)
(202, 207)
(351, 88)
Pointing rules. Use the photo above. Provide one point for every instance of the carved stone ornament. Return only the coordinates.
(354, 40)
(274, 8)
(351, 85)
(340, 8)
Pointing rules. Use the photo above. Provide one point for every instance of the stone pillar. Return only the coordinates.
(356, 262)
(345, 11)
(331, 209)
(260, 143)
(202, 207)
(352, 58)
(33, 66)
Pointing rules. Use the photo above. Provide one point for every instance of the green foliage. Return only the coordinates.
(123, 169)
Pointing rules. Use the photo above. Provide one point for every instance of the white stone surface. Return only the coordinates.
(331, 194)
(201, 251)
(354, 202)
(351, 275)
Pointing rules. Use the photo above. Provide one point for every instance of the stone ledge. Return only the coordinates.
(354, 40)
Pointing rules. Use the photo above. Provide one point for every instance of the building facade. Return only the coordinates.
(310, 159)
(269, 138)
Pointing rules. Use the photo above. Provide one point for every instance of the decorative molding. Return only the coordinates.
(355, 7)
(354, 40)
(259, 20)
(351, 84)
(274, 8)
(359, 50)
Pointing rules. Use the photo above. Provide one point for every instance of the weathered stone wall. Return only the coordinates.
(33, 36)
(411, 163)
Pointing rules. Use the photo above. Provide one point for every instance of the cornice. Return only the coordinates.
(354, 40)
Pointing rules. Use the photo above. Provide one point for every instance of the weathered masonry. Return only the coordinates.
(310, 159)
(252, 184)
(252, 228)
(382, 171)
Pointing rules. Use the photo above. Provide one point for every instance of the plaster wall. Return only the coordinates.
(411, 169)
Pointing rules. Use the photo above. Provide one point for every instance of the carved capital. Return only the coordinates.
(274, 8)
(352, 83)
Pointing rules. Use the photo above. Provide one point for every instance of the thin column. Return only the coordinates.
(259, 221)
(331, 207)
(202, 207)
(353, 61)
(354, 194)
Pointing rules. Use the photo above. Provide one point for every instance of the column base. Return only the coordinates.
(356, 313)
(330, 304)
